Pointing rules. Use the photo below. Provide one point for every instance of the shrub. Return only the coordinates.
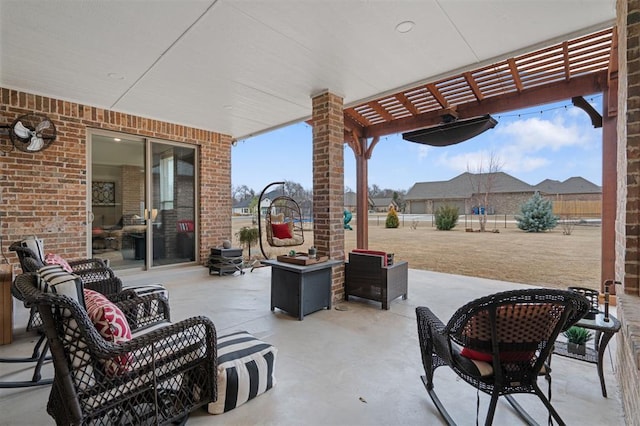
(537, 215)
(446, 217)
(578, 335)
(392, 219)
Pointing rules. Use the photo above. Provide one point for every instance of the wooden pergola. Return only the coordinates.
(567, 70)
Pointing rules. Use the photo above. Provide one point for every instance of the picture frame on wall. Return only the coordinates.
(103, 193)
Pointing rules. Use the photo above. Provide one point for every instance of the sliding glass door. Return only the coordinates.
(143, 201)
(173, 189)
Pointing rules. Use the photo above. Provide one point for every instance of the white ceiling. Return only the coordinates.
(242, 67)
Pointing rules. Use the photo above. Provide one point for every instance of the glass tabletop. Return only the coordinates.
(599, 324)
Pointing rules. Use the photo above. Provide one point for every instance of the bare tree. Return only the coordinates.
(242, 192)
(482, 185)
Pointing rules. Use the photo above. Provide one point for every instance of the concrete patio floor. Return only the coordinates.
(352, 365)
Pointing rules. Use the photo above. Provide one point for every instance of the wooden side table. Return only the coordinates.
(299, 289)
(604, 332)
(6, 304)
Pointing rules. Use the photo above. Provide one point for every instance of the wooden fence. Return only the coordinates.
(577, 208)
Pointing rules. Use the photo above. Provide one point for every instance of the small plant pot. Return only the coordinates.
(577, 349)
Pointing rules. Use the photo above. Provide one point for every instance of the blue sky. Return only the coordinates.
(553, 141)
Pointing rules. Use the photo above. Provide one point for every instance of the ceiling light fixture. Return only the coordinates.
(115, 76)
(117, 139)
(405, 26)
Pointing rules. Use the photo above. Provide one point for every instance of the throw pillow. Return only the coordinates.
(281, 231)
(54, 259)
(112, 325)
(54, 279)
(35, 244)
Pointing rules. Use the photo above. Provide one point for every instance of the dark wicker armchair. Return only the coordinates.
(499, 343)
(167, 372)
(95, 275)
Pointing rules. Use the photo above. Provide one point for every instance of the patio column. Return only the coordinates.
(362, 151)
(328, 182)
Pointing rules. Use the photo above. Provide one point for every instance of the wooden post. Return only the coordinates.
(6, 305)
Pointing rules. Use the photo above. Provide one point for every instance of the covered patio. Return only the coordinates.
(354, 365)
(208, 73)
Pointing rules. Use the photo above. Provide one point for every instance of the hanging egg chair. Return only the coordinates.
(282, 221)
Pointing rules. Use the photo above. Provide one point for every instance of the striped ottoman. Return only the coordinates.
(245, 370)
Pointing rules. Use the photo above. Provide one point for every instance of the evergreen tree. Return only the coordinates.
(392, 219)
(446, 217)
(537, 215)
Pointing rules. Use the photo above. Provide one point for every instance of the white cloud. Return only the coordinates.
(423, 151)
(535, 134)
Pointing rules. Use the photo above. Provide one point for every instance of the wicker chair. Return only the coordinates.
(499, 343)
(95, 275)
(168, 371)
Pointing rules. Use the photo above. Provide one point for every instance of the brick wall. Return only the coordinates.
(45, 193)
(328, 183)
(628, 207)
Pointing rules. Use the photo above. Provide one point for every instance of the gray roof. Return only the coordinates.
(383, 201)
(574, 185)
(350, 198)
(462, 186)
(242, 204)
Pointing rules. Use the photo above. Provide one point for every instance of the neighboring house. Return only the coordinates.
(577, 188)
(350, 202)
(383, 204)
(242, 208)
(507, 193)
(575, 196)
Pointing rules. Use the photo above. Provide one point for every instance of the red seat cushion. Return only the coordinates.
(281, 230)
(504, 356)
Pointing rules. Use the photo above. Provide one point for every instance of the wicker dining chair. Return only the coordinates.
(499, 344)
(159, 377)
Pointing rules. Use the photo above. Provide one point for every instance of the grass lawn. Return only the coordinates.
(547, 259)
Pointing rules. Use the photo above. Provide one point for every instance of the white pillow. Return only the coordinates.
(35, 244)
(54, 279)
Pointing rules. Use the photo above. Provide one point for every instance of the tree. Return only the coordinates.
(242, 192)
(253, 209)
(482, 186)
(392, 219)
(537, 215)
(446, 217)
(375, 191)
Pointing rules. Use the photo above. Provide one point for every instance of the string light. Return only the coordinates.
(520, 114)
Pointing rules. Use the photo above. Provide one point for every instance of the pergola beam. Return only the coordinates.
(554, 92)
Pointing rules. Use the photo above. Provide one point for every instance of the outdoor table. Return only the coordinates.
(301, 289)
(604, 332)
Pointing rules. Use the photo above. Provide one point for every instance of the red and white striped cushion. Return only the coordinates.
(111, 324)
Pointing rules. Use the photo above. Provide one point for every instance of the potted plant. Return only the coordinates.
(247, 236)
(577, 337)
